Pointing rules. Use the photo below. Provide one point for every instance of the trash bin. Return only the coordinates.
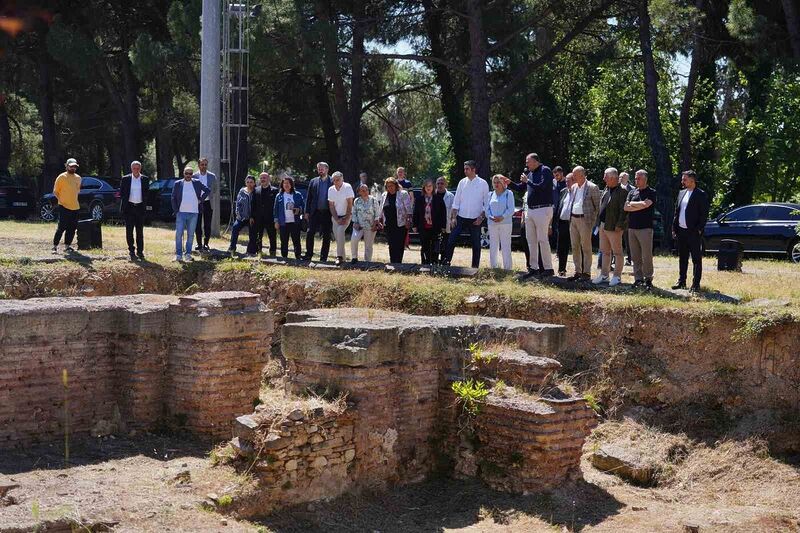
(729, 256)
(90, 234)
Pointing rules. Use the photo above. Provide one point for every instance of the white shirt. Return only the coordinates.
(448, 204)
(566, 209)
(682, 209)
(135, 197)
(470, 195)
(203, 178)
(577, 198)
(339, 198)
(189, 200)
(288, 207)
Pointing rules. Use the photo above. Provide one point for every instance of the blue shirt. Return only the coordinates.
(499, 206)
(539, 186)
(322, 198)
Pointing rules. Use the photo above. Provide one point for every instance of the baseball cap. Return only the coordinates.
(72, 161)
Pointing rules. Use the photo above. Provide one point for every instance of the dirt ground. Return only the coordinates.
(140, 484)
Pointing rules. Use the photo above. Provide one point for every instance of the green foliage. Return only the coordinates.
(225, 500)
(755, 325)
(593, 402)
(470, 394)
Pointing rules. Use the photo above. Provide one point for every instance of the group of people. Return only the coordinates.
(569, 209)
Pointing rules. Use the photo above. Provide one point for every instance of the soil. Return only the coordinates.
(135, 484)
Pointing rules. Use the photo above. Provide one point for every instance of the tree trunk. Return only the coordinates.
(115, 156)
(327, 122)
(164, 168)
(451, 104)
(667, 186)
(793, 25)
(698, 56)
(130, 122)
(53, 160)
(5, 138)
(747, 164)
(479, 91)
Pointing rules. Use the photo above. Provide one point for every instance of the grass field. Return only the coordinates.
(764, 283)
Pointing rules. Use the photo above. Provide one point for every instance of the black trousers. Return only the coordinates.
(428, 239)
(474, 237)
(320, 221)
(292, 230)
(396, 238)
(690, 243)
(134, 220)
(67, 225)
(440, 247)
(202, 232)
(563, 245)
(264, 225)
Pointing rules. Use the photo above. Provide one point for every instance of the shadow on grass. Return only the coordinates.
(441, 504)
(87, 450)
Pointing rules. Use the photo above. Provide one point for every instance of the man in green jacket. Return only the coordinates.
(613, 221)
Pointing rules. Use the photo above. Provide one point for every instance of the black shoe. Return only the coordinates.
(586, 277)
(338, 261)
(199, 248)
(140, 255)
(638, 283)
(574, 277)
(354, 260)
(628, 262)
(133, 256)
(562, 273)
(694, 289)
(679, 285)
(547, 273)
(532, 273)
(69, 249)
(648, 283)
(55, 249)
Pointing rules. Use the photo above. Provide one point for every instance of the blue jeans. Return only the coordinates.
(235, 229)
(184, 222)
(474, 237)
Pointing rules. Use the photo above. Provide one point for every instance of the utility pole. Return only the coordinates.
(210, 103)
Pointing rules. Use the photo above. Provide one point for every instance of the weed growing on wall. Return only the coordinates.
(754, 326)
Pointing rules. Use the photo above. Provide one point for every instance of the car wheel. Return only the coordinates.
(484, 236)
(47, 212)
(96, 211)
(794, 252)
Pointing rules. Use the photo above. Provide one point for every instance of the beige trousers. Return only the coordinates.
(369, 238)
(611, 242)
(339, 235)
(640, 243)
(580, 235)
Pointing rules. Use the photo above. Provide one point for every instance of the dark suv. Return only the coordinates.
(16, 199)
(767, 228)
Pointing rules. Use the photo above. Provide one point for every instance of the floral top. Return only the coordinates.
(404, 207)
(366, 212)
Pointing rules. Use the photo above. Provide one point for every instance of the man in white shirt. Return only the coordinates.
(585, 204)
(467, 212)
(691, 214)
(340, 200)
(208, 180)
(133, 192)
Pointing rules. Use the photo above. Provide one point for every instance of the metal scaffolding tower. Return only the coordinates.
(235, 56)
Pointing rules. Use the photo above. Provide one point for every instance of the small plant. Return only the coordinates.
(592, 401)
(754, 326)
(225, 500)
(470, 394)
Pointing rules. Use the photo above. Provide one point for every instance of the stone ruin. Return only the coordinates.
(401, 420)
(367, 400)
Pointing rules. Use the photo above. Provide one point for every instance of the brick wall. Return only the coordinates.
(130, 362)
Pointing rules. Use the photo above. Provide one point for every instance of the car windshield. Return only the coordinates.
(9, 181)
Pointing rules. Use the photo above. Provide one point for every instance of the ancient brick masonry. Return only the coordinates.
(131, 362)
(403, 422)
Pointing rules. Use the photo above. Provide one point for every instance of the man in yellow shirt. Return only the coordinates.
(66, 189)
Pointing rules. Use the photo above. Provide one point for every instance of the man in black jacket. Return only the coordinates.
(263, 204)
(691, 214)
(133, 196)
(318, 213)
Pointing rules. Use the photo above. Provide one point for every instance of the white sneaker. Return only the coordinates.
(600, 279)
(188, 257)
(614, 281)
(178, 259)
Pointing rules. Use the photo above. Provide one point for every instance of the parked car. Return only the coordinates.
(767, 228)
(16, 200)
(98, 198)
(517, 232)
(159, 201)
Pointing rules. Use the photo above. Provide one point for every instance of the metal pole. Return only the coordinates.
(210, 99)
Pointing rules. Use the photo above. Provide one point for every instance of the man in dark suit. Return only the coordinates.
(133, 196)
(318, 213)
(263, 204)
(691, 214)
